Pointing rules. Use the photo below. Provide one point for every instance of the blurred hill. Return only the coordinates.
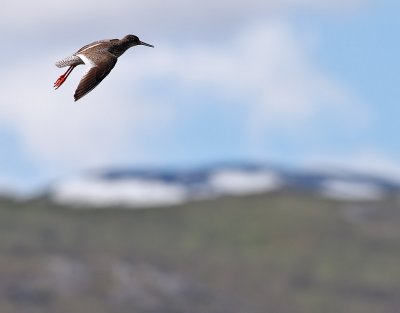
(282, 251)
(158, 187)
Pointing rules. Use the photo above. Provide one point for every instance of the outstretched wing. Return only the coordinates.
(100, 65)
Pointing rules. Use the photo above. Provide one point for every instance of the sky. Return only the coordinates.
(303, 83)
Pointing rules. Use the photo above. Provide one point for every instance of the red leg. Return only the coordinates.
(63, 77)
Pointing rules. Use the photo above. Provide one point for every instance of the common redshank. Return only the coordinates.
(100, 58)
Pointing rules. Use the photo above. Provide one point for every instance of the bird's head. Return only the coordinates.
(135, 41)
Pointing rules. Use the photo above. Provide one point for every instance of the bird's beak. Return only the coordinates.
(146, 44)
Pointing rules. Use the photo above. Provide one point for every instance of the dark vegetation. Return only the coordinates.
(282, 252)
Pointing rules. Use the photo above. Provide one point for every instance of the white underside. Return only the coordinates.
(86, 60)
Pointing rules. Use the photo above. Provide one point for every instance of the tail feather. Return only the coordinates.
(69, 61)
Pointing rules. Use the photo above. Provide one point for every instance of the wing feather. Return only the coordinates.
(97, 71)
(95, 43)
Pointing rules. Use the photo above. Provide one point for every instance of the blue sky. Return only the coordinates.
(367, 61)
(302, 83)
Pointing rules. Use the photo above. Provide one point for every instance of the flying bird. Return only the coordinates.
(100, 58)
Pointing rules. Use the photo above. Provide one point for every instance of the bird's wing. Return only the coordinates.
(91, 45)
(100, 65)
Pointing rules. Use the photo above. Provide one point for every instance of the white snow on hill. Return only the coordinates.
(236, 182)
(134, 192)
(149, 192)
(162, 188)
(345, 190)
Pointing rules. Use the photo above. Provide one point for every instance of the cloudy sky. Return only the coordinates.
(302, 83)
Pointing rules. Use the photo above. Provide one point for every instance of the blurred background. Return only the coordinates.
(260, 135)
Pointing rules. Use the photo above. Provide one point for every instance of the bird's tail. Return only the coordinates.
(69, 61)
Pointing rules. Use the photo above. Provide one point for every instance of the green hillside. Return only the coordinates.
(282, 252)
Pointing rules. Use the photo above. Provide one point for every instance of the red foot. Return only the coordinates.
(59, 81)
(63, 77)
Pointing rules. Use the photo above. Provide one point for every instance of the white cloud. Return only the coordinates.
(269, 70)
(57, 132)
(266, 69)
(176, 16)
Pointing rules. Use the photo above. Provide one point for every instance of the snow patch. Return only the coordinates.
(351, 190)
(132, 192)
(163, 188)
(237, 182)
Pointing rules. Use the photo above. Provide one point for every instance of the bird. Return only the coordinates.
(100, 58)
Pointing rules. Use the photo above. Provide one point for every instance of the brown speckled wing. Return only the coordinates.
(100, 65)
